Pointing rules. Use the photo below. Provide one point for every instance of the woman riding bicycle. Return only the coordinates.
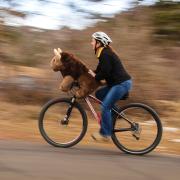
(118, 81)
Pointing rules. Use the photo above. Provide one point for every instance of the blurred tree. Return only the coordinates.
(163, 2)
(166, 20)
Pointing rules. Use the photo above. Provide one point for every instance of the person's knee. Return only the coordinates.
(105, 107)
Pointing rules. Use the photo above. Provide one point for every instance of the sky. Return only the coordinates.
(75, 14)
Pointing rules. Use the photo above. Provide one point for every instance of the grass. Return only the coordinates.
(21, 122)
(166, 20)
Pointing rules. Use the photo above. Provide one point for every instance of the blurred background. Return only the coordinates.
(145, 34)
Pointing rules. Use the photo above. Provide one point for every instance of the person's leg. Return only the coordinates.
(114, 94)
(101, 93)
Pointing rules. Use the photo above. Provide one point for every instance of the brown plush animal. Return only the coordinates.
(72, 70)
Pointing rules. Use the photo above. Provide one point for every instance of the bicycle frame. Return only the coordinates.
(99, 118)
(91, 107)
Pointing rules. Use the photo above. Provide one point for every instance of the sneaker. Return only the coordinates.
(100, 137)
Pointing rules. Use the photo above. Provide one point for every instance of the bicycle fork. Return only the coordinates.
(65, 121)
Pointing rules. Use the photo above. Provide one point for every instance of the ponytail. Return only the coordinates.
(112, 50)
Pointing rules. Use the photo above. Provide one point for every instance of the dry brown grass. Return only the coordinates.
(21, 122)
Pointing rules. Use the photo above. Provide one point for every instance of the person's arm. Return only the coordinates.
(105, 67)
(91, 72)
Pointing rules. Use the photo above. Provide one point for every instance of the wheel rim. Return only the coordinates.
(55, 131)
(148, 134)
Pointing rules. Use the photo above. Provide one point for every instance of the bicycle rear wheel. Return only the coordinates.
(51, 125)
(140, 136)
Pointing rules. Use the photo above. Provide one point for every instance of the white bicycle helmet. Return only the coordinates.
(102, 37)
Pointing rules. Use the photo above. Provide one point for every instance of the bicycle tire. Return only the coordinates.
(157, 138)
(43, 131)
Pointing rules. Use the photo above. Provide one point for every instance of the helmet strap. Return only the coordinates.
(95, 49)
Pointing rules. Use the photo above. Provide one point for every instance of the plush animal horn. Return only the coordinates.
(59, 50)
(57, 53)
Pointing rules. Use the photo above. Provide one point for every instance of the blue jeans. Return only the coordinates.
(109, 96)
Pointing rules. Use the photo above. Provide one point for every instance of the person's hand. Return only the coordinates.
(91, 73)
(103, 82)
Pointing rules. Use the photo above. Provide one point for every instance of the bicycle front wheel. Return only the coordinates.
(137, 130)
(51, 125)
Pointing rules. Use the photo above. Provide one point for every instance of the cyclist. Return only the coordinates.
(118, 81)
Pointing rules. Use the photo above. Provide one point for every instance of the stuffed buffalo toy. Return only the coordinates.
(73, 70)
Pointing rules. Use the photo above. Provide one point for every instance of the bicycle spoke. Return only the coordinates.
(139, 133)
(61, 124)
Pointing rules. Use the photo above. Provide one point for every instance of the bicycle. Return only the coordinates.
(137, 128)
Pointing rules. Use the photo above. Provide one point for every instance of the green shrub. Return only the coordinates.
(167, 21)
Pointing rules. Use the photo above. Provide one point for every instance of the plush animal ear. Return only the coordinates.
(57, 54)
(59, 50)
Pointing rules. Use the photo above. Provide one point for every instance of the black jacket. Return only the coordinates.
(110, 68)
